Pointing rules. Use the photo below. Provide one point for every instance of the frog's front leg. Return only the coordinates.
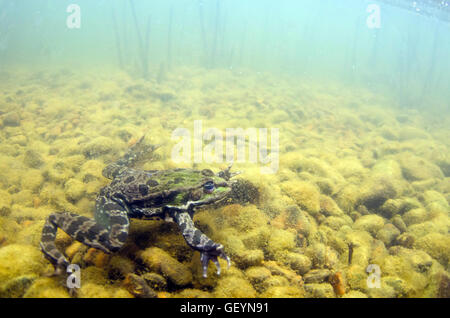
(107, 232)
(198, 241)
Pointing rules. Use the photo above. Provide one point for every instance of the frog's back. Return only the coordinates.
(154, 185)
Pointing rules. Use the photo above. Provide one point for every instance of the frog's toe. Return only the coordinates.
(73, 292)
(213, 257)
(216, 262)
(204, 258)
(228, 261)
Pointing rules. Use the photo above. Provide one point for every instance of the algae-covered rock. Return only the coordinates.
(20, 140)
(278, 270)
(357, 277)
(391, 287)
(5, 203)
(433, 197)
(328, 207)
(283, 292)
(298, 262)
(391, 207)
(354, 294)
(280, 240)
(234, 287)
(19, 260)
(33, 159)
(11, 119)
(96, 257)
(249, 258)
(410, 266)
(119, 267)
(257, 275)
(405, 240)
(319, 290)
(321, 255)
(91, 170)
(443, 285)
(97, 147)
(47, 287)
(437, 245)
(376, 191)
(371, 223)
(410, 132)
(388, 234)
(299, 219)
(16, 288)
(32, 180)
(347, 197)
(335, 222)
(305, 194)
(155, 281)
(243, 191)
(415, 168)
(317, 276)
(350, 167)
(192, 293)
(92, 290)
(74, 189)
(274, 280)
(398, 222)
(384, 183)
(415, 216)
(362, 244)
(158, 260)
(138, 287)
(244, 218)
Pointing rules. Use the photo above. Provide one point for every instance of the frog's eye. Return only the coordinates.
(209, 187)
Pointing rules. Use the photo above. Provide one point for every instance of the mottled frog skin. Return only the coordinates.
(172, 195)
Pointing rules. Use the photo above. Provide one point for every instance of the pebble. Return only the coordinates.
(138, 287)
(317, 276)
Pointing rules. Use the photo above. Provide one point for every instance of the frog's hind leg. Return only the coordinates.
(107, 237)
(209, 250)
(134, 155)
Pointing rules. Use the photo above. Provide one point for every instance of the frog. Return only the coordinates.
(172, 195)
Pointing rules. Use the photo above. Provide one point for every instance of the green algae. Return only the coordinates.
(375, 187)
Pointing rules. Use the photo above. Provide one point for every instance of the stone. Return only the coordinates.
(388, 234)
(317, 276)
(11, 119)
(299, 263)
(415, 216)
(158, 260)
(138, 287)
(319, 290)
(371, 223)
(155, 281)
(415, 168)
(399, 223)
(33, 159)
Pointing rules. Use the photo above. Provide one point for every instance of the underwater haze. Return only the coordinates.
(335, 115)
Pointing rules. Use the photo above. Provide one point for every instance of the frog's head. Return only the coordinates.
(211, 189)
(201, 188)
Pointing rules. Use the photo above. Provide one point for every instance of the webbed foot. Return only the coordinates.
(60, 272)
(205, 257)
(226, 174)
(140, 148)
